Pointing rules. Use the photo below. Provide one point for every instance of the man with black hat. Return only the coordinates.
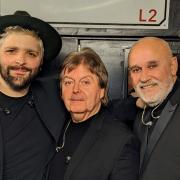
(31, 115)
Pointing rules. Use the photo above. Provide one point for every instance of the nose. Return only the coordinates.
(76, 87)
(144, 76)
(20, 59)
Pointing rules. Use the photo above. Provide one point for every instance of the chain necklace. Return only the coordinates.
(149, 123)
(58, 148)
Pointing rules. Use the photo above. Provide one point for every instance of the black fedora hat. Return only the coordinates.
(51, 38)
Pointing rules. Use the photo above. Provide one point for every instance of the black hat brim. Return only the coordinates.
(51, 38)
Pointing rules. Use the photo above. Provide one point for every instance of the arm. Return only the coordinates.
(126, 166)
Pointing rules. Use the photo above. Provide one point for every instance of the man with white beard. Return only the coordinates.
(153, 73)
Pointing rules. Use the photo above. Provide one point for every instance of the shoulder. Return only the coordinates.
(46, 87)
(124, 110)
(124, 144)
(122, 105)
(117, 129)
(46, 92)
(46, 83)
(119, 146)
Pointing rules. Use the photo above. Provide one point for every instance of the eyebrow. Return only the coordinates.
(153, 62)
(149, 62)
(88, 76)
(67, 77)
(32, 50)
(27, 49)
(132, 67)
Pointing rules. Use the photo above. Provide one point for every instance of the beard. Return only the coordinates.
(154, 99)
(18, 83)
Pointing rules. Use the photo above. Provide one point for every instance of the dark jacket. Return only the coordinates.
(50, 107)
(108, 151)
(50, 115)
(160, 157)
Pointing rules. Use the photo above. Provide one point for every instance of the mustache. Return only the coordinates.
(149, 83)
(22, 68)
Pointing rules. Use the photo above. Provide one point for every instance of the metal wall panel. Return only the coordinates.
(114, 53)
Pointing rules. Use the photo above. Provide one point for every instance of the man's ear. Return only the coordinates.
(174, 66)
(102, 93)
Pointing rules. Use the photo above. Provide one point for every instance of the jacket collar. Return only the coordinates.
(49, 107)
(172, 101)
(87, 142)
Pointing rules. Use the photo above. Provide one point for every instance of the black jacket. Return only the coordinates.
(50, 116)
(107, 151)
(160, 156)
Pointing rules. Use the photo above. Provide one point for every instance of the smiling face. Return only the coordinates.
(152, 70)
(81, 92)
(20, 59)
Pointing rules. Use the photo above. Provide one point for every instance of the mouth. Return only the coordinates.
(147, 86)
(20, 70)
(77, 99)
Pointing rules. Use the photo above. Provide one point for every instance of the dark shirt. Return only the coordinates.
(9, 108)
(73, 136)
(25, 140)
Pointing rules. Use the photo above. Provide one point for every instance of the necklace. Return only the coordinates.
(149, 123)
(152, 112)
(58, 148)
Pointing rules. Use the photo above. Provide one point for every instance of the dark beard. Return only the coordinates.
(10, 79)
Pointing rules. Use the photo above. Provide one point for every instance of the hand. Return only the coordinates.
(140, 103)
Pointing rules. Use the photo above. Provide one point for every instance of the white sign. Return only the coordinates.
(149, 14)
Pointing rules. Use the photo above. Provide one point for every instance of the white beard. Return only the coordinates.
(158, 97)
